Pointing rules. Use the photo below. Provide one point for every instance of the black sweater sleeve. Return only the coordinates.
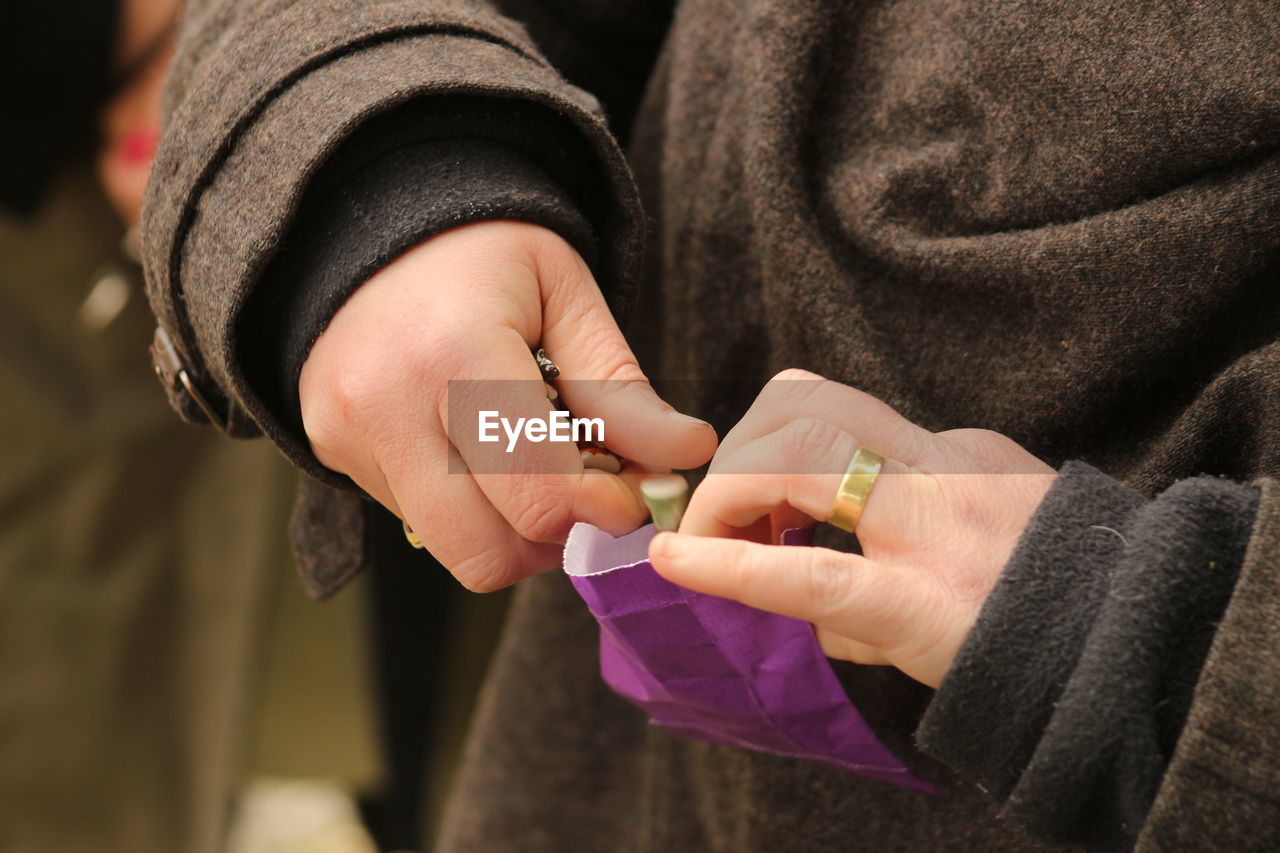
(405, 177)
(1068, 696)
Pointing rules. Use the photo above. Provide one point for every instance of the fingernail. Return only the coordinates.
(597, 459)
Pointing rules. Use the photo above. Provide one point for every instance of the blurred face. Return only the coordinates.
(130, 122)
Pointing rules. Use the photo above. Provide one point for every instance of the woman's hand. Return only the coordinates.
(939, 525)
(469, 304)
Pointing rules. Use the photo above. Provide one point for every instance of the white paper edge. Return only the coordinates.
(586, 541)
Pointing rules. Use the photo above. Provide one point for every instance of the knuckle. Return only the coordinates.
(623, 370)
(829, 582)
(563, 277)
(487, 570)
(540, 513)
(368, 405)
(788, 389)
(792, 374)
(807, 442)
(353, 390)
(353, 394)
(980, 442)
(333, 449)
(600, 340)
(330, 439)
(546, 245)
(332, 418)
(752, 574)
(611, 359)
(557, 262)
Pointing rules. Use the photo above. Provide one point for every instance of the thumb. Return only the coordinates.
(600, 377)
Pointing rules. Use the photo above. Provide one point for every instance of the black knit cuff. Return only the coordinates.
(359, 215)
(1067, 698)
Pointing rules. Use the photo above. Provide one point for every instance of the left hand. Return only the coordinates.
(939, 525)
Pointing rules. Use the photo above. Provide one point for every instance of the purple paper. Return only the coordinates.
(717, 670)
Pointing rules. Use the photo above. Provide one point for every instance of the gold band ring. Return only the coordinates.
(856, 486)
(412, 537)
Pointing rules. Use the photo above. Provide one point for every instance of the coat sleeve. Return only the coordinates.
(1122, 665)
(261, 93)
(1219, 791)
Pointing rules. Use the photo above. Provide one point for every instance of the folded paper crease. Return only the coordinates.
(716, 670)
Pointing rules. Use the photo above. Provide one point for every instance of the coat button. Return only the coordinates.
(175, 376)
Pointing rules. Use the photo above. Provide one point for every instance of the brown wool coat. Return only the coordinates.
(1058, 220)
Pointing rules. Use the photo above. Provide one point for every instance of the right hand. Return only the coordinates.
(469, 304)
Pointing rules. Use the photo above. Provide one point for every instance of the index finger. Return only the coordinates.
(799, 467)
(798, 394)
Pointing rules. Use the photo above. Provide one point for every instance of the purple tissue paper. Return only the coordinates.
(717, 670)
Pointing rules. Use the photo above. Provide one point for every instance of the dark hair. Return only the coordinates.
(55, 74)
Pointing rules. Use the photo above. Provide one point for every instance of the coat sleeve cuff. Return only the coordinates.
(225, 188)
(352, 226)
(1220, 786)
(1066, 700)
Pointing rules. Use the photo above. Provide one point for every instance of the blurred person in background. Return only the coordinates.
(158, 659)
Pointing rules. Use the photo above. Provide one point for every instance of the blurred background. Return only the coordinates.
(164, 683)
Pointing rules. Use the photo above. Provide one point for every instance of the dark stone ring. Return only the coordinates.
(546, 365)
